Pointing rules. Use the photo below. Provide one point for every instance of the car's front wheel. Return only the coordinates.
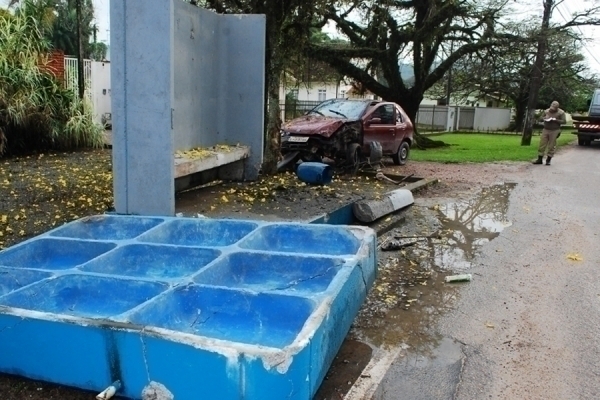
(353, 154)
(401, 156)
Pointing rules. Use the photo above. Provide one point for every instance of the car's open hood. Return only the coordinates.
(314, 125)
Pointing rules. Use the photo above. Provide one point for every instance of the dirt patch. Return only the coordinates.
(283, 197)
(40, 192)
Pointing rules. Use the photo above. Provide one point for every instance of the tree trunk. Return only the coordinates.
(536, 75)
(520, 112)
(80, 76)
(274, 67)
(411, 108)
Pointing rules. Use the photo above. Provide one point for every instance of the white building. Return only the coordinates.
(320, 91)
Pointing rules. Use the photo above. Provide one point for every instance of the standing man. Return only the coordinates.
(553, 118)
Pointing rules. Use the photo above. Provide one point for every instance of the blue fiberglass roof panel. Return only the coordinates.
(53, 254)
(107, 227)
(199, 232)
(151, 261)
(253, 318)
(271, 272)
(84, 296)
(246, 305)
(13, 279)
(305, 239)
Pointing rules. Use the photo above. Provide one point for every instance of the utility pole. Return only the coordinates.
(536, 74)
(80, 77)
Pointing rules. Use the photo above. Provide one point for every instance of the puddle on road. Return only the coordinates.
(468, 225)
(410, 294)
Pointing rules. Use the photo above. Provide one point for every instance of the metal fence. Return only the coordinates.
(296, 108)
(72, 76)
(432, 118)
(466, 118)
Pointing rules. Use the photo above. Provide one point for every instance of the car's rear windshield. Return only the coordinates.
(340, 109)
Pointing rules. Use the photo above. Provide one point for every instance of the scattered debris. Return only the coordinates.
(391, 244)
(200, 152)
(156, 391)
(382, 177)
(574, 257)
(459, 278)
(489, 325)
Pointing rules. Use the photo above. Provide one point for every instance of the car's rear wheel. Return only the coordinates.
(401, 156)
(581, 141)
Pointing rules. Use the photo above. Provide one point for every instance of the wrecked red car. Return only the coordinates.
(348, 130)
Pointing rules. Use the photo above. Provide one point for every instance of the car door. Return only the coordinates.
(380, 126)
(404, 128)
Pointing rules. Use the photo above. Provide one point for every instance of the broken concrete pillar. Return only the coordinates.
(371, 210)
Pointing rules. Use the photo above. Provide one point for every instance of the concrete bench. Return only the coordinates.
(220, 163)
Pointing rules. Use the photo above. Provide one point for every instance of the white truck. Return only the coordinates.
(587, 128)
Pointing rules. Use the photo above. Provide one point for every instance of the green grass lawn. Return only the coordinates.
(469, 147)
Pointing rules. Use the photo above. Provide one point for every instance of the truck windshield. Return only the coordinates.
(348, 109)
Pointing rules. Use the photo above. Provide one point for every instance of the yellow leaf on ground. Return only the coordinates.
(4, 219)
(224, 199)
(489, 325)
(574, 257)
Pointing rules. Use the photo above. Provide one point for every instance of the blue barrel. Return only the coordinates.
(315, 173)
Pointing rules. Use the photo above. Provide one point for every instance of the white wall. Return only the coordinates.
(491, 119)
(100, 87)
(311, 92)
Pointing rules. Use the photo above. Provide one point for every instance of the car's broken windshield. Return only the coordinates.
(340, 109)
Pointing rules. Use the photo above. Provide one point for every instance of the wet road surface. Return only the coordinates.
(528, 325)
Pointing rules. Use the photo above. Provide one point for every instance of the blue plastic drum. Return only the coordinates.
(315, 173)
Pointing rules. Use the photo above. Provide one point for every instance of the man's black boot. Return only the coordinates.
(548, 160)
(539, 160)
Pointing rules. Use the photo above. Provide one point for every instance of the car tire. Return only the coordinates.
(581, 141)
(353, 154)
(401, 156)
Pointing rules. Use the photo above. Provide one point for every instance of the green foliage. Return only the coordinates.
(64, 28)
(480, 148)
(36, 112)
(504, 72)
(98, 51)
(58, 23)
(386, 35)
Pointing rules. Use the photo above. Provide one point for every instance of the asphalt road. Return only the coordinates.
(528, 325)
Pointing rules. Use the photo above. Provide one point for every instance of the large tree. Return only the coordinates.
(590, 16)
(504, 72)
(386, 34)
(62, 28)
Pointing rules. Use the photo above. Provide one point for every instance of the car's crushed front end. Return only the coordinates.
(315, 136)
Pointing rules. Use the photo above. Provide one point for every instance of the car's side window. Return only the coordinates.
(385, 113)
(399, 118)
